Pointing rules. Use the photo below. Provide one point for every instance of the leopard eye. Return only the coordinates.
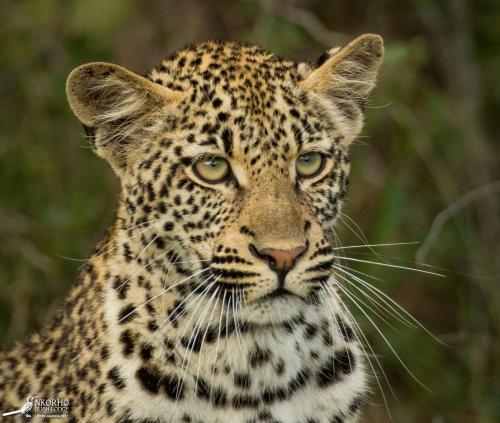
(211, 169)
(309, 164)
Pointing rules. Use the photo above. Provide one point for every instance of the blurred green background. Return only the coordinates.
(428, 158)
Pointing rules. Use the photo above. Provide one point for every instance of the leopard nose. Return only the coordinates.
(279, 260)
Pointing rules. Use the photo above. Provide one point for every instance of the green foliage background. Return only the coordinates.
(431, 137)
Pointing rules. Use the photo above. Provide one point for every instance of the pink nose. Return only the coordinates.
(281, 260)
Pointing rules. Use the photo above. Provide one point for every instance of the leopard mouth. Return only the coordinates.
(279, 293)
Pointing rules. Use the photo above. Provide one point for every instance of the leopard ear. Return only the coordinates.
(344, 78)
(117, 107)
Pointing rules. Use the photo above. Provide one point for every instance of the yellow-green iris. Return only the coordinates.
(309, 164)
(211, 169)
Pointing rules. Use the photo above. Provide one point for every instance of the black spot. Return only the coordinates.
(310, 331)
(265, 415)
(355, 405)
(149, 379)
(280, 367)
(246, 231)
(245, 401)
(110, 408)
(299, 381)
(193, 343)
(160, 242)
(222, 117)
(173, 387)
(168, 226)
(259, 356)
(121, 286)
(116, 379)
(242, 380)
(147, 351)
(343, 362)
(127, 313)
(218, 397)
(227, 139)
(39, 367)
(152, 326)
(127, 341)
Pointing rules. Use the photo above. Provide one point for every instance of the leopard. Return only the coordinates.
(211, 297)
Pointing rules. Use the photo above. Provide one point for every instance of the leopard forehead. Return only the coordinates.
(242, 100)
(235, 67)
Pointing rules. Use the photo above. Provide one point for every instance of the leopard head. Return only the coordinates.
(233, 164)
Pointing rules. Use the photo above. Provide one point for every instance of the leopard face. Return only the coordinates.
(233, 165)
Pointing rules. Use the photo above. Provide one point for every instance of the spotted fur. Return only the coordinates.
(176, 317)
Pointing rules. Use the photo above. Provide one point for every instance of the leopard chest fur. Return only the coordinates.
(208, 365)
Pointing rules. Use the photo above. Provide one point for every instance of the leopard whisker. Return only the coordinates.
(387, 244)
(344, 312)
(239, 308)
(194, 261)
(330, 315)
(395, 266)
(100, 253)
(205, 334)
(393, 305)
(184, 301)
(194, 334)
(430, 266)
(359, 272)
(357, 331)
(356, 231)
(218, 338)
(386, 299)
(190, 344)
(198, 301)
(147, 246)
(235, 320)
(380, 305)
(370, 308)
(338, 245)
(353, 300)
(227, 332)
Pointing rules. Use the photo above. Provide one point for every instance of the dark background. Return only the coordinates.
(428, 158)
